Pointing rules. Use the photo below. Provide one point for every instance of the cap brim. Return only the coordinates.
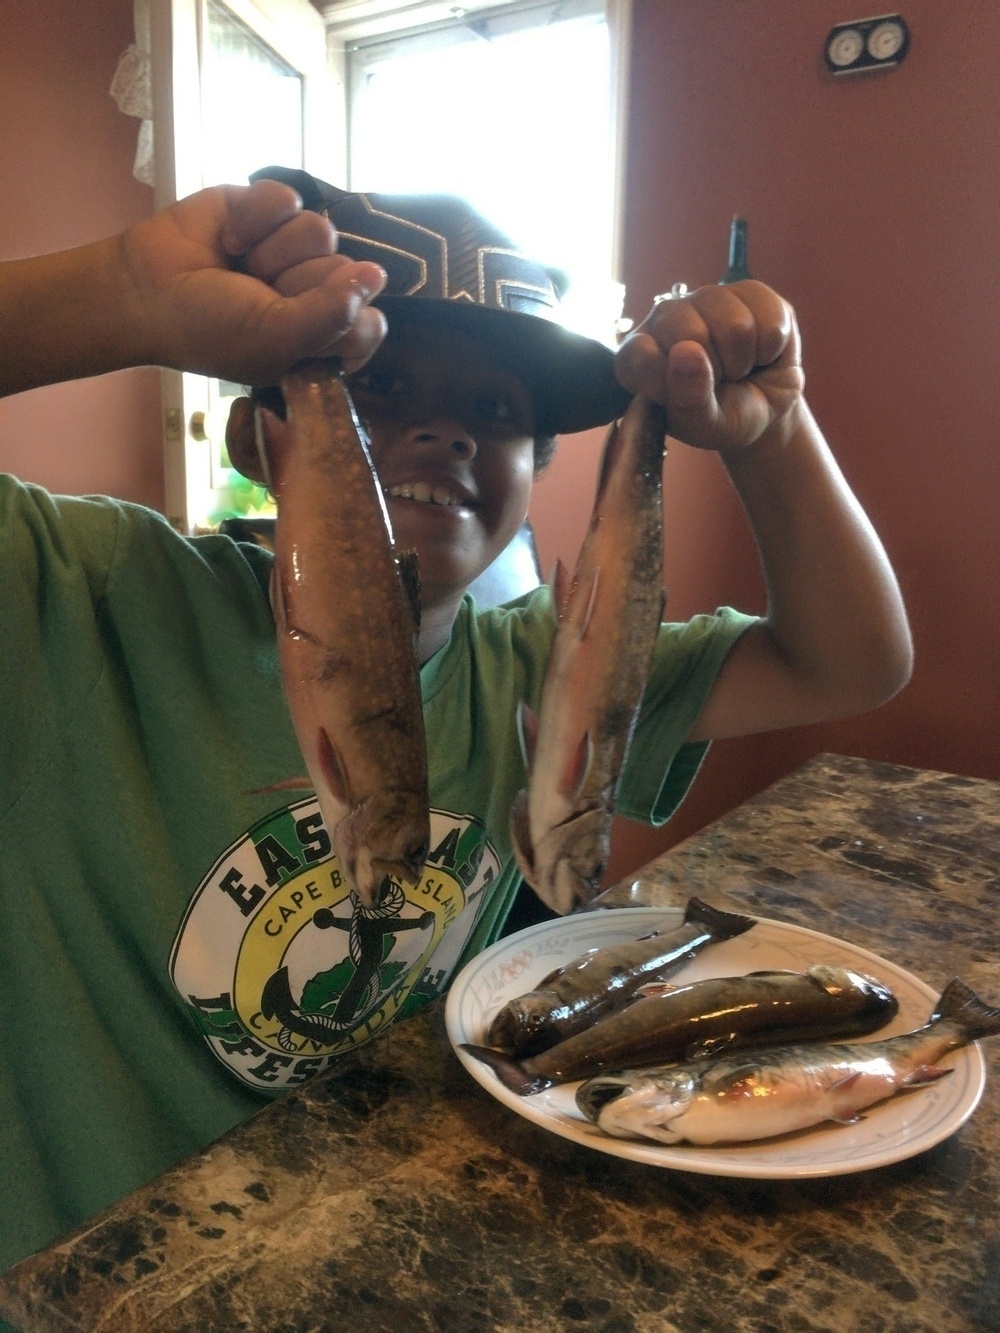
(571, 378)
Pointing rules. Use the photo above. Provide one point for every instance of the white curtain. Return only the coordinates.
(132, 89)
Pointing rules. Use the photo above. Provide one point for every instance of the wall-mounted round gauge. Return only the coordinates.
(844, 47)
(886, 39)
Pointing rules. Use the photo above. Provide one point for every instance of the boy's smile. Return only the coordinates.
(452, 440)
(451, 433)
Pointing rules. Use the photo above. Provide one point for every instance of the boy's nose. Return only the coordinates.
(450, 434)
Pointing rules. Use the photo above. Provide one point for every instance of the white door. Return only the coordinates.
(237, 85)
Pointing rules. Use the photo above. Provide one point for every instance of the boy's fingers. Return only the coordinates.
(362, 277)
(254, 211)
(751, 325)
(693, 411)
(690, 382)
(673, 322)
(643, 366)
(361, 341)
(730, 331)
(315, 324)
(306, 237)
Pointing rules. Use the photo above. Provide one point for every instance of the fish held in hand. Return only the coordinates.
(740, 1098)
(603, 980)
(346, 608)
(608, 617)
(711, 1016)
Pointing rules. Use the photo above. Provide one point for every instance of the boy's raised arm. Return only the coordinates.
(726, 364)
(236, 281)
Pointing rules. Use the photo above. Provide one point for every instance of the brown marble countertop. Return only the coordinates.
(395, 1194)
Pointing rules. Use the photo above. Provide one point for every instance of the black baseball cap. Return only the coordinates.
(449, 266)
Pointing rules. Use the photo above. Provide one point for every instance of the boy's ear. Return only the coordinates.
(241, 441)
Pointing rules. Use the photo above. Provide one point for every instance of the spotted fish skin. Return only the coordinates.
(345, 609)
(608, 617)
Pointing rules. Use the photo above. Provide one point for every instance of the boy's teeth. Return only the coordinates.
(420, 490)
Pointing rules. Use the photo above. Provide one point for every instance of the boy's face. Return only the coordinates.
(452, 439)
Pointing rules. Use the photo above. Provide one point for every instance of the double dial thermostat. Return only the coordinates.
(867, 45)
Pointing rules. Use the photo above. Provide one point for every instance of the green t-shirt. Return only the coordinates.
(175, 936)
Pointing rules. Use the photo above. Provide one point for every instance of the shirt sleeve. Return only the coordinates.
(661, 765)
(56, 556)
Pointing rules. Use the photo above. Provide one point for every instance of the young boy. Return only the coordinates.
(151, 887)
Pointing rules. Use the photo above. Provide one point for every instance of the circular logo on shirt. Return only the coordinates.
(282, 967)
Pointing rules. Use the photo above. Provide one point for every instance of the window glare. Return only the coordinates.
(520, 125)
(252, 103)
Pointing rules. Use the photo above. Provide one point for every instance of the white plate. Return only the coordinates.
(905, 1125)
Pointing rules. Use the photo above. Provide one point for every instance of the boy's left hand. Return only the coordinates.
(724, 361)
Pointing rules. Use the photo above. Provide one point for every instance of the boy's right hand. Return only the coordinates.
(240, 283)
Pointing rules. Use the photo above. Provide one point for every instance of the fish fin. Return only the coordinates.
(332, 768)
(286, 784)
(559, 586)
(508, 1071)
(652, 990)
(276, 591)
(527, 733)
(723, 925)
(846, 1116)
(924, 1074)
(591, 602)
(740, 1083)
(609, 450)
(520, 836)
(699, 1050)
(841, 1083)
(577, 770)
(260, 439)
(408, 566)
(961, 1005)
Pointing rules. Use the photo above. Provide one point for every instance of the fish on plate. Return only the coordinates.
(608, 615)
(739, 1098)
(346, 605)
(604, 979)
(706, 1017)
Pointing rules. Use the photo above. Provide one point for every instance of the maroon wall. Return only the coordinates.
(66, 155)
(874, 206)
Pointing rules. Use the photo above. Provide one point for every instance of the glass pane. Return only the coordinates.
(251, 103)
(517, 122)
(251, 117)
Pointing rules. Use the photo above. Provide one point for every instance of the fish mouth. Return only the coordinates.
(597, 1093)
(445, 495)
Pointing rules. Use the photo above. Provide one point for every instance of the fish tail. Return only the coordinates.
(723, 925)
(961, 1005)
(508, 1071)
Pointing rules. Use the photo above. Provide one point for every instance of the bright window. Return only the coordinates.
(251, 102)
(512, 109)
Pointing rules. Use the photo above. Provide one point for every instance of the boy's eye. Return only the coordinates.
(382, 383)
(493, 408)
